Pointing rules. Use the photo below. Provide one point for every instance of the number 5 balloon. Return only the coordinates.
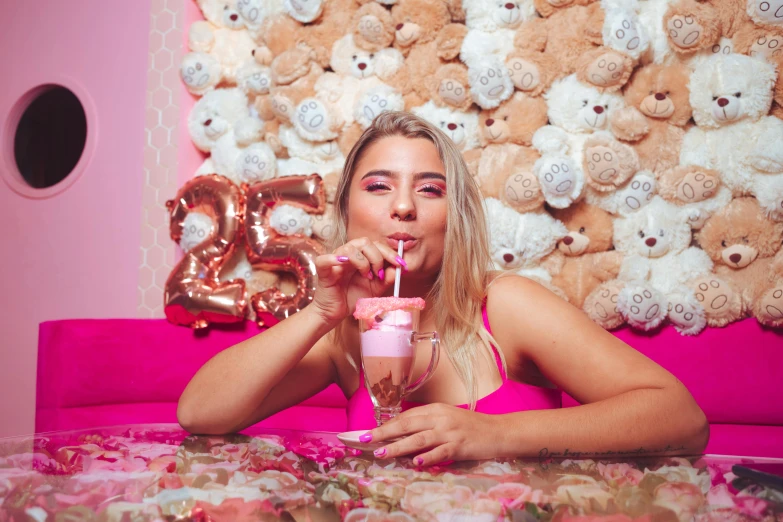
(268, 250)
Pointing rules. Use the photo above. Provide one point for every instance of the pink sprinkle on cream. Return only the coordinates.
(368, 307)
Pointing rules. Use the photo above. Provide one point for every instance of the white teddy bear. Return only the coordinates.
(490, 38)
(519, 242)
(219, 45)
(731, 96)
(461, 126)
(288, 220)
(575, 112)
(196, 228)
(307, 157)
(324, 116)
(220, 123)
(658, 264)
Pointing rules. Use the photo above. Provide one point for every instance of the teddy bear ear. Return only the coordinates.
(342, 54)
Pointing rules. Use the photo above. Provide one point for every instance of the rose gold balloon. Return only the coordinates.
(193, 296)
(268, 250)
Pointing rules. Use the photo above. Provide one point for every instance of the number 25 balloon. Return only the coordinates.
(194, 296)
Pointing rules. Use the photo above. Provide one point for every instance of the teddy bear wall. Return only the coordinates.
(630, 151)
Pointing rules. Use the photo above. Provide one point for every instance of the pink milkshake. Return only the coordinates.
(388, 338)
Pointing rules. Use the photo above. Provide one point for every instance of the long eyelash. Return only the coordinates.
(377, 185)
(432, 188)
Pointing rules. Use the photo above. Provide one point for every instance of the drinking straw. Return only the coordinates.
(399, 270)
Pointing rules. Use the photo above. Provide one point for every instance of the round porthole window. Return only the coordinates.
(50, 137)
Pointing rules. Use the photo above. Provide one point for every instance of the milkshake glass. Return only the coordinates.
(388, 343)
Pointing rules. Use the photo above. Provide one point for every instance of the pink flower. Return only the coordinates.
(683, 498)
(720, 496)
(620, 474)
(425, 499)
(375, 515)
(512, 494)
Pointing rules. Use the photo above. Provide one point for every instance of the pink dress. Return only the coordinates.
(511, 397)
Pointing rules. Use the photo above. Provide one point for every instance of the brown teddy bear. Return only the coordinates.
(294, 74)
(562, 34)
(427, 38)
(324, 30)
(448, 85)
(744, 244)
(589, 259)
(532, 71)
(613, 180)
(506, 156)
(373, 27)
(696, 25)
(515, 120)
(658, 108)
(418, 22)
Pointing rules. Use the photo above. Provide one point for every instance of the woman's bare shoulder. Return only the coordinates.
(507, 288)
(515, 304)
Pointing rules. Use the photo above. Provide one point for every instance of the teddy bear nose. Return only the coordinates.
(660, 96)
(208, 123)
(362, 66)
(508, 258)
(234, 17)
(568, 240)
(399, 27)
(510, 6)
(650, 242)
(452, 126)
(722, 102)
(598, 109)
(735, 258)
(489, 122)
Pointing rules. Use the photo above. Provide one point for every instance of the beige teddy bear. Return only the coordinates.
(748, 277)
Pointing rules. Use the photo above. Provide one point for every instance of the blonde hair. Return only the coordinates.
(459, 292)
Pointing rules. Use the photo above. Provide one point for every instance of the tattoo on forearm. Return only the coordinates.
(545, 455)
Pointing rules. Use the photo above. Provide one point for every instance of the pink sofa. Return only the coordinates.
(105, 372)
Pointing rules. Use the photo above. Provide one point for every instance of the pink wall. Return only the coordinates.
(170, 158)
(75, 253)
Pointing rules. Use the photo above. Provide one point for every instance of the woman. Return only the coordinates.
(404, 179)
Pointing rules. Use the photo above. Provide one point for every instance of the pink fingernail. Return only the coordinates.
(366, 437)
(380, 452)
(419, 461)
(380, 274)
(342, 259)
(369, 275)
(402, 263)
(364, 482)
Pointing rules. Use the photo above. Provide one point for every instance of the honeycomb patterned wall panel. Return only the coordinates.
(157, 252)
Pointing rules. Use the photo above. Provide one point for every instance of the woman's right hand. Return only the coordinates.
(359, 268)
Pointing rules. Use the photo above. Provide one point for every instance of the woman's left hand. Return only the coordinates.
(436, 433)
